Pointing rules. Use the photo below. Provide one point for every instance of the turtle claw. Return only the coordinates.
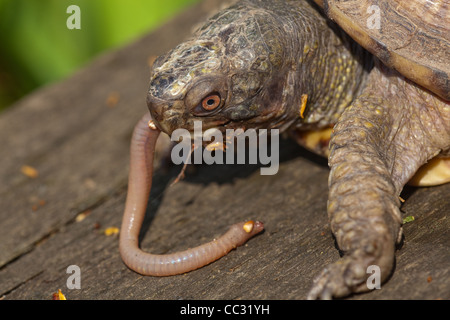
(339, 279)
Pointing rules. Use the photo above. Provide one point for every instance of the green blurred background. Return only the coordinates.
(37, 48)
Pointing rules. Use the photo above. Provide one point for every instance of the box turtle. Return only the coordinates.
(372, 74)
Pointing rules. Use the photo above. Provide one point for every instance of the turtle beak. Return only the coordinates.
(166, 116)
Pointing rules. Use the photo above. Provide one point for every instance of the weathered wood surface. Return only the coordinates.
(77, 138)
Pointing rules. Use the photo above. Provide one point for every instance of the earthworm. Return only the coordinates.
(142, 151)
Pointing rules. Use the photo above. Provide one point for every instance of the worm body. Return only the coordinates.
(142, 150)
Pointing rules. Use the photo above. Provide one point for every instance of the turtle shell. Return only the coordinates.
(412, 37)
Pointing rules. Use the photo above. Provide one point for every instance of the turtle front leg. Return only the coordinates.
(380, 141)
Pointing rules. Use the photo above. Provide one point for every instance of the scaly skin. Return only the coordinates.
(378, 144)
(259, 58)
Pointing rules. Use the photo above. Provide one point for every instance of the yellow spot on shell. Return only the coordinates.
(248, 226)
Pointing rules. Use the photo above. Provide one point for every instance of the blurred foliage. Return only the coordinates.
(37, 48)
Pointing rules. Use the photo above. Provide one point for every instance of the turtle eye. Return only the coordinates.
(211, 102)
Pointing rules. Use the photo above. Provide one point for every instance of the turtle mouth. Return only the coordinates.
(170, 116)
(166, 116)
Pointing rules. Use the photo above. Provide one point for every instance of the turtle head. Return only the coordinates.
(222, 77)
